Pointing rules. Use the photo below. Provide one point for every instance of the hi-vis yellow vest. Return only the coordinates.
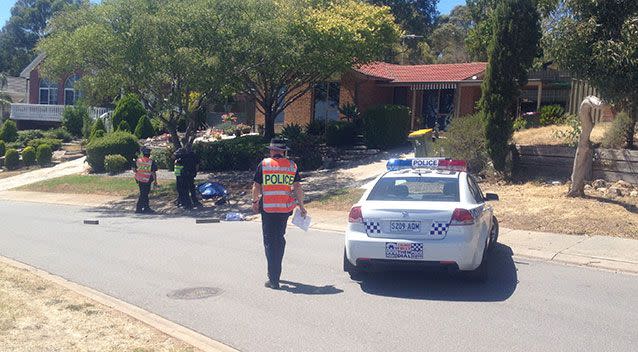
(278, 177)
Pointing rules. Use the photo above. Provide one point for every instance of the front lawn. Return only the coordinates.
(102, 185)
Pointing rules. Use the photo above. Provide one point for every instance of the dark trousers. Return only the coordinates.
(190, 188)
(182, 192)
(274, 228)
(142, 201)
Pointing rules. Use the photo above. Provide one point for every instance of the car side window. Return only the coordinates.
(474, 190)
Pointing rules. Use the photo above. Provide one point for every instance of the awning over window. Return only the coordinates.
(433, 86)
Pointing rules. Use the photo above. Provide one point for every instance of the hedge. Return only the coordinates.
(11, 159)
(386, 126)
(115, 164)
(305, 151)
(2, 148)
(242, 153)
(73, 119)
(55, 144)
(9, 131)
(59, 133)
(122, 143)
(28, 156)
(340, 133)
(163, 157)
(144, 128)
(128, 109)
(43, 154)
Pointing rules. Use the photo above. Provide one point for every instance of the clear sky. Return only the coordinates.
(5, 8)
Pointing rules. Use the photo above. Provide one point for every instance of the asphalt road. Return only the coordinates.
(525, 306)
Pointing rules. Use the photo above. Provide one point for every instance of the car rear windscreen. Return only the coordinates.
(429, 189)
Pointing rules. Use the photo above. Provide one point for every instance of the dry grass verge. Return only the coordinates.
(547, 135)
(36, 315)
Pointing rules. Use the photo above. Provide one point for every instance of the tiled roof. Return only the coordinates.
(422, 73)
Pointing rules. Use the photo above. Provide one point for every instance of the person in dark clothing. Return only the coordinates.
(276, 180)
(180, 181)
(191, 165)
(145, 175)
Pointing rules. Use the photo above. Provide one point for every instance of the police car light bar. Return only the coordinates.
(427, 163)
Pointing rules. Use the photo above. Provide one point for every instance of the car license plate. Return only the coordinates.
(405, 226)
(397, 250)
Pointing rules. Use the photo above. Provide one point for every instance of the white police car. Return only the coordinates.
(422, 212)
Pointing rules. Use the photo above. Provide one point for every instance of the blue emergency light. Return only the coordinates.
(426, 163)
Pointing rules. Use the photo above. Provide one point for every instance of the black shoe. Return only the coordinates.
(138, 211)
(274, 286)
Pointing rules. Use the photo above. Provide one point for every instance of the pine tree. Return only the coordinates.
(144, 128)
(513, 47)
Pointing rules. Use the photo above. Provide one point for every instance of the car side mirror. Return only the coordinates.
(491, 196)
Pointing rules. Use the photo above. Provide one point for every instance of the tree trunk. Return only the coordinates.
(584, 157)
(269, 125)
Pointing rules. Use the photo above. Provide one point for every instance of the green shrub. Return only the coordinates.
(552, 115)
(291, 131)
(316, 128)
(115, 164)
(87, 124)
(14, 145)
(340, 133)
(98, 125)
(128, 109)
(386, 126)
(11, 159)
(122, 143)
(158, 126)
(9, 131)
(28, 155)
(144, 128)
(55, 144)
(619, 133)
(124, 127)
(98, 134)
(28, 135)
(571, 135)
(73, 119)
(2, 148)
(163, 157)
(59, 133)
(520, 123)
(304, 150)
(465, 140)
(241, 153)
(43, 154)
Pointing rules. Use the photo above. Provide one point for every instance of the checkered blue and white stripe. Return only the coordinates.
(372, 227)
(438, 228)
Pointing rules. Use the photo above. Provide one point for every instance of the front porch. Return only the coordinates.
(47, 113)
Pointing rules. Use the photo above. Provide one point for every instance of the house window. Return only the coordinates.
(326, 101)
(400, 96)
(438, 107)
(48, 92)
(71, 95)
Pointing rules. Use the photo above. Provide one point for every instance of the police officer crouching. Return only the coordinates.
(276, 180)
(145, 175)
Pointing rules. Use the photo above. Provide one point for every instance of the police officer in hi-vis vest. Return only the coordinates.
(276, 193)
(145, 175)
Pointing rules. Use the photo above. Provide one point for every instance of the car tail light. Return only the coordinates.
(462, 217)
(355, 215)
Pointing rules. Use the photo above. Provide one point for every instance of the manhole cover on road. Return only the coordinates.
(194, 293)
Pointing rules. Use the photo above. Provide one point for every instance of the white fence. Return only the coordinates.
(49, 113)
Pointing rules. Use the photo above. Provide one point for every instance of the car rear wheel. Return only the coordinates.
(354, 272)
(493, 234)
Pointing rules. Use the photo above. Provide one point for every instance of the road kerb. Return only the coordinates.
(166, 326)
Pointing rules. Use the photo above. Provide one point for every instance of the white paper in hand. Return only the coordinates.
(300, 221)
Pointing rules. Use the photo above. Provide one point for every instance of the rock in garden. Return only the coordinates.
(599, 184)
(624, 184)
(588, 187)
(633, 194)
(613, 191)
(602, 189)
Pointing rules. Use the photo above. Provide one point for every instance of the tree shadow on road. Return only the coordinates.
(298, 288)
(445, 286)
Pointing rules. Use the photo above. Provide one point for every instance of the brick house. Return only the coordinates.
(434, 93)
(45, 100)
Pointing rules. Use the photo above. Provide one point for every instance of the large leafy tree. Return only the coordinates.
(513, 47)
(448, 38)
(164, 51)
(289, 45)
(597, 40)
(24, 28)
(414, 16)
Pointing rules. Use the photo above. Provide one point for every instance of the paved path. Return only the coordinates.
(526, 305)
(63, 169)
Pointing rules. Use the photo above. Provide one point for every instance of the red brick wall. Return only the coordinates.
(469, 97)
(34, 87)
